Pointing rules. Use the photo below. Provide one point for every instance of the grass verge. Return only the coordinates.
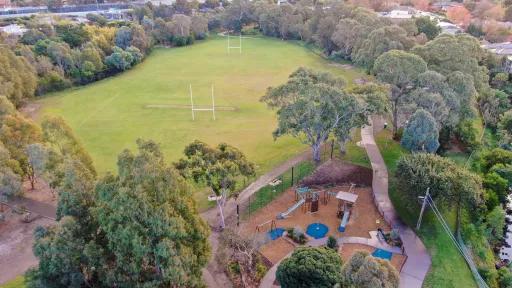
(448, 267)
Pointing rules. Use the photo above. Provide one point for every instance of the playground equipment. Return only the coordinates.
(274, 232)
(346, 201)
(272, 223)
(291, 209)
(317, 230)
(327, 196)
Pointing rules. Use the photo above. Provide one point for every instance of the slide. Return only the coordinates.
(291, 209)
(344, 221)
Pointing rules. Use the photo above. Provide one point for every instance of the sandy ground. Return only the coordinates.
(16, 245)
(42, 192)
(347, 250)
(364, 218)
(16, 238)
(277, 249)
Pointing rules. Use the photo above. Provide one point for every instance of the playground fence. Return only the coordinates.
(288, 179)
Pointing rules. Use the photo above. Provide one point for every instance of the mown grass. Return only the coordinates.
(18, 282)
(109, 115)
(448, 267)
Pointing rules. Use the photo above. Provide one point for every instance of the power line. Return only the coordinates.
(427, 199)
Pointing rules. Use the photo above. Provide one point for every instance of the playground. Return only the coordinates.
(340, 211)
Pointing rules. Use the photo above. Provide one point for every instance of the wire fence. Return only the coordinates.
(277, 186)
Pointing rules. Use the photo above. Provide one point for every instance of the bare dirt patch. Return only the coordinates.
(347, 250)
(31, 110)
(42, 192)
(337, 172)
(16, 242)
(277, 249)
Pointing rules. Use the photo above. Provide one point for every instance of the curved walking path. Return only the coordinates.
(418, 260)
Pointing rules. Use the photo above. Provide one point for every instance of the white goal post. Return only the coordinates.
(239, 47)
(193, 109)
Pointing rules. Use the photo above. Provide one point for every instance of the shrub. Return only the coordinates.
(467, 135)
(310, 267)
(366, 271)
(332, 243)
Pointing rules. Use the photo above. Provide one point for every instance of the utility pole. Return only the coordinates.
(423, 208)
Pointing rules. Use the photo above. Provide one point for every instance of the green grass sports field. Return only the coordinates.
(151, 101)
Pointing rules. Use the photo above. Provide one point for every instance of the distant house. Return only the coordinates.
(504, 50)
(449, 28)
(13, 29)
(399, 14)
(282, 2)
(5, 3)
(445, 5)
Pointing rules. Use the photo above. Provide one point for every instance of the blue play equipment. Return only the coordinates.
(383, 254)
(317, 230)
(275, 233)
(344, 221)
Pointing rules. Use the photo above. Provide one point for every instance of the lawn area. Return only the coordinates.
(109, 115)
(448, 267)
(18, 282)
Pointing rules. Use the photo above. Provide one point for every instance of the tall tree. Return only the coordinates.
(217, 167)
(16, 133)
(380, 41)
(448, 182)
(137, 228)
(313, 105)
(37, 157)
(401, 70)
(18, 79)
(421, 133)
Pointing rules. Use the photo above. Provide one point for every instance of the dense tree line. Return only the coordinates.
(53, 57)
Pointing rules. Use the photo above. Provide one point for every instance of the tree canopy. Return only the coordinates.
(421, 133)
(448, 182)
(217, 167)
(310, 267)
(138, 227)
(365, 271)
(313, 105)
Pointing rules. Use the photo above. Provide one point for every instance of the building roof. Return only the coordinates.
(345, 196)
(13, 29)
(504, 48)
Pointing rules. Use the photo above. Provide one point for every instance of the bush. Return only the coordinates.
(332, 243)
(261, 270)
(467, 135)
(493, 181)
(366, 271)
(505, 277)
(310, 267)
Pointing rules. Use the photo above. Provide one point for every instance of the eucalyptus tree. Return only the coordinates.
(400, 70)
(312, 106)
(217, 167)
(137, 228)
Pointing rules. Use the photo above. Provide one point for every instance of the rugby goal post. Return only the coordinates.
(239, 47)
(193, 109)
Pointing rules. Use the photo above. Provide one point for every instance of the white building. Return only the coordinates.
(14, 29)
(449, 28)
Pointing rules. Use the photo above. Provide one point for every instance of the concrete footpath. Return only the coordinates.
(418, 260)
